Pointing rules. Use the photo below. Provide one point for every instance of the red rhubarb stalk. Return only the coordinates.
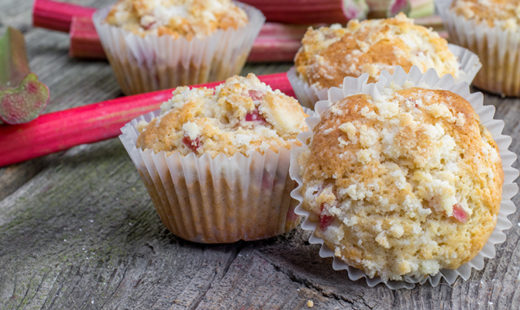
(84, 40)
(57, 15)
(310, 11)
(61, 130)
(273, 50)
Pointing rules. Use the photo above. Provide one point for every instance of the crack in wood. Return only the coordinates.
(58, 291)
(116, 288)
(235, 250)
(25, 294)
(199, 298)
(314, 287)
(149, 245)
(234, 253)
(39, 285)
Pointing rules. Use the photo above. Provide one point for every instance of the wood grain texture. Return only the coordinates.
(78, 230)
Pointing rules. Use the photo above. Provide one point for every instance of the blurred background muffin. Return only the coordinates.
(161, 44)
(329, 54)
(491, 29)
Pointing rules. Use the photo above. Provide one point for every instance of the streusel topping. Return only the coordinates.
(241, 115)
(178, 18)
(328, 54)
(406, 183)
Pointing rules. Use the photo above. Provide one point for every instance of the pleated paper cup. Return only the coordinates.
(308, 95)
(498, 50)
(151, 62)
(352, 86)
(216, 200)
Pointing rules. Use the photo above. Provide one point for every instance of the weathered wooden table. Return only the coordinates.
(78, 230)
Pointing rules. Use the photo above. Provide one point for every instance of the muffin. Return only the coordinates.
(154, 45)
(328, 54)
(401, 180)
(491, 29)
(216, 162)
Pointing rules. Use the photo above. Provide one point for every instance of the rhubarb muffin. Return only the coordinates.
(216, 161)
(401, 184)
(329, 54)
(491, 29)
(165, 43)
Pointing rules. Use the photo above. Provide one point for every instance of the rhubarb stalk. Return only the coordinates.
(22, 96)
(61, 130)
(277, 42)
(310, 11)
(57, 15)
(84, 40)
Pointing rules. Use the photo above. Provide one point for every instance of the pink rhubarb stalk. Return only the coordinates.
(61, 130)
(84, 40)
(57, 15)
(277, 42)
(310, 11)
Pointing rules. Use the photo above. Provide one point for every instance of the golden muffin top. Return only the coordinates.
(241, 115)
(328, 54)
(501, 13)
(403, 184)
(177, 18)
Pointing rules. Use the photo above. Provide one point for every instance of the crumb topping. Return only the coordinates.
(501, 13)
(328, 54)
(403, 184)
(178, 18)
(241, 115)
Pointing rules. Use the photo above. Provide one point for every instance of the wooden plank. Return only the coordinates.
(78, 230)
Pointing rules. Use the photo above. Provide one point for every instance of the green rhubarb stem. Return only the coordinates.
(13, 59)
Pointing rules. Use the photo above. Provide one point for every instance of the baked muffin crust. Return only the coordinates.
(404, 184)
(177, 18)
(328, 54)
(241, 115)
(501, 13)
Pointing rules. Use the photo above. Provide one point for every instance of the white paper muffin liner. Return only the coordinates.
(498, 50)
(143, 64)
(429, 79)
(308, 95)
(216, 200)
